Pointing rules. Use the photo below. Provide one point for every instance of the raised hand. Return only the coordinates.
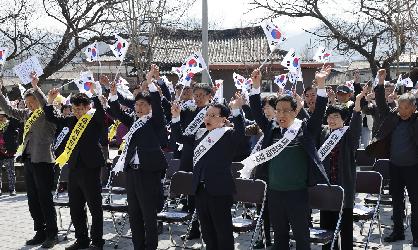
(175, 110)
(156, 71)
(381, 75)
(362, 94)
(104, 80)
(321, 76)
(370, 97)
(356, 76)
(256, 78)
(237, 101)
(392, 97)
(331, 96)
(52, 94)
(35, 80)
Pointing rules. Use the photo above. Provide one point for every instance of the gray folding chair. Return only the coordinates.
(249, 191)
(368, 182)
(326, 198)
(181, 185)
(61, 199)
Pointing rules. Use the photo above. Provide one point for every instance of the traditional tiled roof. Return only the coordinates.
(245, 45)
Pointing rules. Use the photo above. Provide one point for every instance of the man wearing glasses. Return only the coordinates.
(295, 164)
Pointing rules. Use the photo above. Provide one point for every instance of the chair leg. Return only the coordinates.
(170, 233)
(189, 228)
(68, 231)
(59, 216)
(380, 228)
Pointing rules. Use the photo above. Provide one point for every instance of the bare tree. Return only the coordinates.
(376, 29)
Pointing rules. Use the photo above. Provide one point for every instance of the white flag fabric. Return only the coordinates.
(291, 61)
(281, 80)
(407, 82)
(3, 55)
(322, 55)
(178, 71)
(119, 48)
(92, 52)
(241, 82)
(194, 64)
(85, 83)
(274, 35)
(186, 79)
(219, 95)
(122, 86)
(350, 85)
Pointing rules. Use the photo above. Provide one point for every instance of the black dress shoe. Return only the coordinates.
(39, 238)
(415, 243)
(78, 245)
(50, 242)
(394, 237)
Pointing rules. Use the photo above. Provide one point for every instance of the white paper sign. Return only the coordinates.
(24, 70)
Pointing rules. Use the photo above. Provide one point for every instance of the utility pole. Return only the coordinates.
(205, 39)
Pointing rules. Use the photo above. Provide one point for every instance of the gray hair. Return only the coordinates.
(407, 97)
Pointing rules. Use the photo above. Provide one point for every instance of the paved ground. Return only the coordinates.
(16, 227)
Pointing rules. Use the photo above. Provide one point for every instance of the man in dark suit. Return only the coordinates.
(397, 140)
(84, 163)
(38, 159)
(202, 94)
(213, 184)
(296, 167)
(144, 162)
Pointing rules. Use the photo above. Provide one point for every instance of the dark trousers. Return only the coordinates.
(329, 221)
(143, 190)
(401, 177)
(84, 186)
(289, 207)
(214, 213)
(39, 178)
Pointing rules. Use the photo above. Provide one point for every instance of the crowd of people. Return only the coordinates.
(208, 136)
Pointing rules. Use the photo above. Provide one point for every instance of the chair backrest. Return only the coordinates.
(363, 159)
(181, 184)
(168, 156)
(382, 166)
(250, 191)
(173, 167)
(369, 182)
(235, 167)
(327, 198)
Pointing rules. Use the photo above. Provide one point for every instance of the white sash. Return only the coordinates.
(137, 125)
(195, 124)
(270, 152)
(211, 139)
(61, 137)
(330, 143)
(258, 145)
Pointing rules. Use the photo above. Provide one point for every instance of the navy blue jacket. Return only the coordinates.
(146, 139)
(216, 163)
